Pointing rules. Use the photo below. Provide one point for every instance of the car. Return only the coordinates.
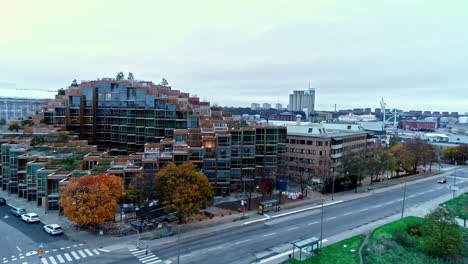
(30, 218)
(17, 211)
(53, 229)
(2, 201)
(442, 181)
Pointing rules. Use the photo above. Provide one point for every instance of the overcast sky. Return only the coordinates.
(412, 53)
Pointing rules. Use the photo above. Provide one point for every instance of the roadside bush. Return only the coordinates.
(405, 239)
(414, 229)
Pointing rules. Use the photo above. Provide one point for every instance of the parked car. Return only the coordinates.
(30, 218)
(444, 180)
(2, 201)
(53, 229)
(17, 211)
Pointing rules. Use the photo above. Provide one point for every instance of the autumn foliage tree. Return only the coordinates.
(184, 189)
(91, 199)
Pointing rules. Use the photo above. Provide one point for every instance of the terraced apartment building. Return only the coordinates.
(121, 116)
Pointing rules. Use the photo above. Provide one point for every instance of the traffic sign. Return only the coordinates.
(41, 245)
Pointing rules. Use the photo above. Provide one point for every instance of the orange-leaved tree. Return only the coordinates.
(91, 199)
(184, 189)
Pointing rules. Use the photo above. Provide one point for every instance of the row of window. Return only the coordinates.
(305, 151)
(307, 142)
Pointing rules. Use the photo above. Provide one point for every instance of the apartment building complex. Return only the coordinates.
(123, 115)
(230, 158)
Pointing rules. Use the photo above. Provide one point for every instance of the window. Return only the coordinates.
(310, 142)
(320, 153)
(313, 152)
(319, 143)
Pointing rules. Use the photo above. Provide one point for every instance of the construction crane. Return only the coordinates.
(29, 89)
(388, 114)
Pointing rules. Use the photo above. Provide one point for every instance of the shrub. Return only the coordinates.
(405, 239)
(414, 229)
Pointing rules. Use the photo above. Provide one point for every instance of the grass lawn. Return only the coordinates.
(385, 247)
(389, 229)
(336, 253)
(458, 206)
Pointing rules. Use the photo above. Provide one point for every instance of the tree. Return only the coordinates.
(164, 82)
(37, 141)
(141, 189)
(120, 76)
(91, 199)
(74, 83)
(394, 139)
(14, 127)
(61, 91)
(130, 76)
(442, 237)
(303, 174)
(184, 189)
(376, 162)
(27, 122)
(63, 136)
(266, 187)
(456, 154)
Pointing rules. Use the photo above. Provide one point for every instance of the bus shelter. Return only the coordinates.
(307, 248)
(266, 206)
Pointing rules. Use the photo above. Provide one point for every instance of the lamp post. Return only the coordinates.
(321, 226)
(404, 199)
(333, 183)
(454, 180)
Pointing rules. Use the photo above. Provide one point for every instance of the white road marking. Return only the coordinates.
(148, 257)
(75, 255)
(411, 196)
(292, 228)
(365, 209)
(52, 260)
(388, 203)
(187, 255)
(89, 252)
(47, 251)
(62, 248)
(150, 260)
(96, 252)
(21, 257)
(348, 213)
(19, 249)
(377, 206)
(54, 249)
(313, 223)
(154, 262)
(210, 249)
(68, 247)
(80, 244)
(68, 257)
(104, 250)
(243, 241)
(331, 218)
(271, 234)
(82, 253)
(267, 215)
(59, 257)
(5, 261)
(44, 261)
(75, 245)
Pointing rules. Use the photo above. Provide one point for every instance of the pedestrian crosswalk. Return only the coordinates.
(69, 256)
(147, 257)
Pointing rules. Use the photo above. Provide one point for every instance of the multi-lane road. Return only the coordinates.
(248, 243)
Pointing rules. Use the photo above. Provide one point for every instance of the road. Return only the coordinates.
(258, 241)
(20, 242)
(246, 244)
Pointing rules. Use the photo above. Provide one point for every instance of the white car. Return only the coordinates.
(53, 229)
(30, 218)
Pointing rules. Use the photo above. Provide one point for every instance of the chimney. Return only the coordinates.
(298, 120)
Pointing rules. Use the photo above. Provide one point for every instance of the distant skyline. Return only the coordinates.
(234, 53)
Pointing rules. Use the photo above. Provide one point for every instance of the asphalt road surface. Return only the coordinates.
(259, 241)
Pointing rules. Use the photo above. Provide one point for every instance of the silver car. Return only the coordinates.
(53, 229)
(30, 218)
